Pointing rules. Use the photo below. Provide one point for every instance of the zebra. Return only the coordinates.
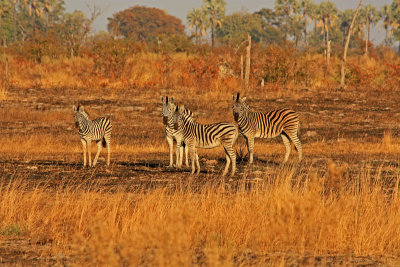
(168, 109)
(206, 136)
(98, 130)
(283, 122)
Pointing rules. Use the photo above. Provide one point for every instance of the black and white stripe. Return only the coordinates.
(206, 136)
(168, 109)
(98, 130)
(252, 124)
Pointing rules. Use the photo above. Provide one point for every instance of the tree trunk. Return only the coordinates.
(386, 35)
(247, 74)
(212, 36)
(342, 73)
(367, 37)
(327, 44)
(15, 23)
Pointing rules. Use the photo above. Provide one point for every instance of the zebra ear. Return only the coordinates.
(171, 100)
(74, 108)
(162, 99)
(177, 109)
(181, 108)
(244, 99)
(233, 98)
(80, 109)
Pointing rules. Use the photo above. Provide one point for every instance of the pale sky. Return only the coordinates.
(180, 8)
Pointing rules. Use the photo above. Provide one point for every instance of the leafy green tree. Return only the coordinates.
(237, 26)
(197, 19)
(306, 14)
(395, 9)
(326, 14)
(389, 24)
(345, 19)
(144, 23)
(371, 16)
(287, 10)
(215, 11)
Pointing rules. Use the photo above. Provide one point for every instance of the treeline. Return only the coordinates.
(46, 28)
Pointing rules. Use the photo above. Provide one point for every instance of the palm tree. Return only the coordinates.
(326, 15)
(371, 16)
(286, 9)
(215, 11)
(395, 10)
(197, 19)
(306, 10)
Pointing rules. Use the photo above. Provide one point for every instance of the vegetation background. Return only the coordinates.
(341, 206)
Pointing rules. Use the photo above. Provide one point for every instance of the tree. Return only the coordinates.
(389, 24)
(326, 14)
(215, 11)
(395, 7)
(197, 19)
(371, 16)
(306, 15)
(342, 73)
(144, 23)
(287, 9)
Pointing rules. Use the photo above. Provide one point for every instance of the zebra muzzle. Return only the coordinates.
(236, 116)
(165, 120)
(77, 124)
(176, 126)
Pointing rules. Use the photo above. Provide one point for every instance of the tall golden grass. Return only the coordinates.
(288, 214)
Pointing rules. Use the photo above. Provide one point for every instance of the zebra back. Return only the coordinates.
(204, 135)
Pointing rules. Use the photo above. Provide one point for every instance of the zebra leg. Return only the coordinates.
(297, 144)
(186, 155)
(170, 141)
(197, 162)
(193, 157)
(179, 153)
(99, 147)
(84, 152)
(108, 153)
(228, 161)
(89, 147)
(250, 147)
(286, 142)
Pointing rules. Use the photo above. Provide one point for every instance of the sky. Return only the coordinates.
(180, 8)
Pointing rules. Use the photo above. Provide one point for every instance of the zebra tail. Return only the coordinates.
(103, 142)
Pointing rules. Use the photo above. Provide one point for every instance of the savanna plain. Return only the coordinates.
(340, 206)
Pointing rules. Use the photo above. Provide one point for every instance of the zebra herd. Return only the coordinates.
(190, 135)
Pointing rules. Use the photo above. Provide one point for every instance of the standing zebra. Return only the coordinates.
(206, 136)
(98, 130)
(283, 122)
(168, 110)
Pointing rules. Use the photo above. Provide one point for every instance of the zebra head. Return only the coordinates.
(168, 108)
(239, 106)
(79, 115)
(179, 114)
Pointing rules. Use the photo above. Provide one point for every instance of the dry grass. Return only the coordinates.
(280, 216)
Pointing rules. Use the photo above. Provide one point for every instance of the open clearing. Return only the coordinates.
(356, 129)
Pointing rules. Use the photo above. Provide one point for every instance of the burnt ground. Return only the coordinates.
(330, 116)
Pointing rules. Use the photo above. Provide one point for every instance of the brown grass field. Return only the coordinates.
(340, 206)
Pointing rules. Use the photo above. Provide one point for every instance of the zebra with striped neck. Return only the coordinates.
(252, 124)
(168, 109)
(206, 136)
(98, 130)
